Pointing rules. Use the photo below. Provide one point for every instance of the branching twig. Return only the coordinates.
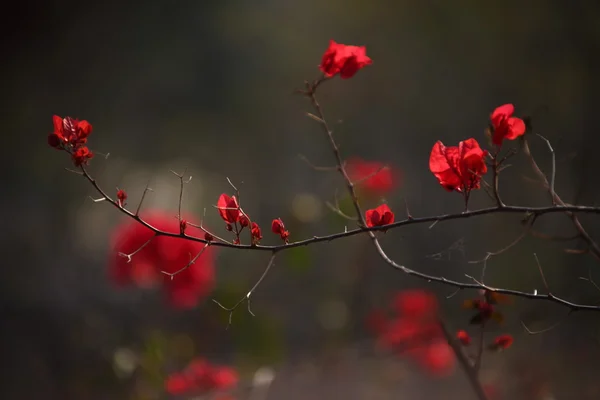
(247, 296)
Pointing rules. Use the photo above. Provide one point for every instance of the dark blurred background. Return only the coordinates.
(208, 86)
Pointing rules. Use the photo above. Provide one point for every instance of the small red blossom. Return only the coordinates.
(459, 167)
(344, 60)
(379, 216)
(229, 209)
(81, 156)
(372, 176)
(502, 342)
(244, 220)
(121, 197)
(278, 228)
(464, 337)
(256, 233)
(182, 226)
(208, 237)
(504, 125)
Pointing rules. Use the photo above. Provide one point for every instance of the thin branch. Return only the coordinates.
(250, 292)
(315, 167)
(527, 211)
(146, 190)
(547, 329)
(192, 261)
(130, 255)
(595, 249)
(471, 373)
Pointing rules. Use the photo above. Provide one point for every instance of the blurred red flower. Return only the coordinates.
(344, 60)
(502, 342)
(414, 331)
(200, 377)
(464, 337)
(372, 176)
(161, 253)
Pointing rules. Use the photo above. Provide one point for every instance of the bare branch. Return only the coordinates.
(130, 255)
(192, 261)
(250, 292)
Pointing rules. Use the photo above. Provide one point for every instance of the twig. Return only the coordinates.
(247, 296)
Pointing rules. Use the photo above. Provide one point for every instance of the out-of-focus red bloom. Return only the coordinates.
(504, 125)
(379, 216)
(437, 358)
(278, 228)
(502, 342)
(121, 197)
(256, 233)
(344, 60)
(229, 208)
(177, 384)
(415, 332)
(168, 254)
(200, 377)
(459, 167)
(464, 337)
(415, 303)
(372, 176)
(81, 156)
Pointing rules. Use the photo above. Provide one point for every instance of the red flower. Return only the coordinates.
(69, 132)
(373, 176)
(229, 208)
(256, 233)
(379, 216)
(168, 254)
(458, 168)
(502, 342)
(182, 226)
(504, 125)
(464, 337)
(343, 59)
(81, 156)
(244, 221)
(278, 228)
(121, 197)
(415, 303)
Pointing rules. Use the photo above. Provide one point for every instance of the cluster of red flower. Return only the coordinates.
(201, 378)
(71, 135)
(485, 310)
(461, 167)
(237, 220)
